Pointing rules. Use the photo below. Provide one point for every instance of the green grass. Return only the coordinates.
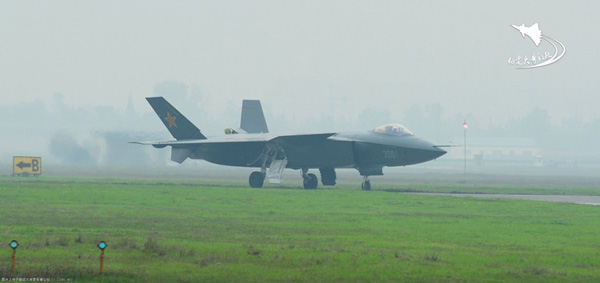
(190, 231)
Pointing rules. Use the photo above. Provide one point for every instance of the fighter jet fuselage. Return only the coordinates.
(341, 150)
(368, 152)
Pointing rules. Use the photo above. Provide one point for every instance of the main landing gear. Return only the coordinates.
(257, 179)
(366, 185)
(309, 181)
(328, 176)
(274, 156)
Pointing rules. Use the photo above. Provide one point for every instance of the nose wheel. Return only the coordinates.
(366, 185)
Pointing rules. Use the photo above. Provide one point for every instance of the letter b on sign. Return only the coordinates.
(35, 165)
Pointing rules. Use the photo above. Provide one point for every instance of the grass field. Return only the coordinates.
(193, 231)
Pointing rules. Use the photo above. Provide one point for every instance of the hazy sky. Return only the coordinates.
(304, 56)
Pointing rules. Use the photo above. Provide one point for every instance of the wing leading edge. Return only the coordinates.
(292, 139)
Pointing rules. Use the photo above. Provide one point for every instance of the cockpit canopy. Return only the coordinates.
(393, 129)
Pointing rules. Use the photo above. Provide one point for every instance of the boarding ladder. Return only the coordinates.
(275, 174)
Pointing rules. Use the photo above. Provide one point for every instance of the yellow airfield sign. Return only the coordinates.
(27, 165)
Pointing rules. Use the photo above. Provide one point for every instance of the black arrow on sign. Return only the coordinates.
(23, 165)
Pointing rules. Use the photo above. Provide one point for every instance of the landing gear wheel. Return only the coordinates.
(366, 185)
(327, 176)
(311, 182)
(256, 179)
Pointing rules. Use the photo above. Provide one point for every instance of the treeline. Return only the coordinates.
(101, 134)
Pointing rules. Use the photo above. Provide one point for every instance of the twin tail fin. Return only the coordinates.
(180, 127)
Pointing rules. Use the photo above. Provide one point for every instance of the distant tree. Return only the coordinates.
(427, 121)
(120, 152)
(65, 147)
(174, 91)
(370, 118)
(536, 124)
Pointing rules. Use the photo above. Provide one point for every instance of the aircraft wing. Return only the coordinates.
(182, 149)
(299, 140)
(292, 140)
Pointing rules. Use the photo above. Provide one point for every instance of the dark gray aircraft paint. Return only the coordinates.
(253, 119)
(253, 146)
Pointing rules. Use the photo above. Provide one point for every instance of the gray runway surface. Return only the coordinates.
(589, 200)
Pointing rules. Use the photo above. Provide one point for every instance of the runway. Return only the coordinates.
(588, 200)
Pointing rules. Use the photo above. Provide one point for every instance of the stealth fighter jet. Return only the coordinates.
(252, 145)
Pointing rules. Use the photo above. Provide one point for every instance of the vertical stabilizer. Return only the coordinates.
(253, 119)
(180, 127)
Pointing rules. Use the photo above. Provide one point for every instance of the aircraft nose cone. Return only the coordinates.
(427, 151)
(416, 150)
(438, 152)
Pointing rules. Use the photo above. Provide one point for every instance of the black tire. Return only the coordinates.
(366, 186)
(328, 176)
(311, 182)
(256, 179)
